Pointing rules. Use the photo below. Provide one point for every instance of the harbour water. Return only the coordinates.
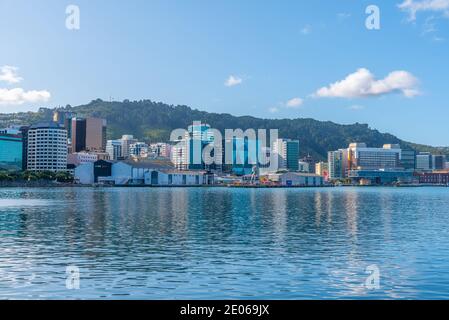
(224, 243)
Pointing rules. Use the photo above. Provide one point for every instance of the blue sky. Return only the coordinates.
(262, 58)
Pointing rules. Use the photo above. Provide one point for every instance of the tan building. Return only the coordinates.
(88, 134)
(95, 134)
(322, 169)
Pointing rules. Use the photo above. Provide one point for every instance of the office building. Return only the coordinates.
(311, 163)
(336, 164)
(47, 147)
(24, 134)
(438, 162)
(179, 155)
(126, 141)
(114, 149)
(11, 151)
(424, 161)
(139, 149)
(287, 151)
(88, 134)
(381, 177)
(187, 153)
(322, 169)
(78, 137)
(360, 157)
(408, 159)
(303, 166)
(160, 149)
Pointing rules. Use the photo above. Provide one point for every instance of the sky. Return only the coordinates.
(270, 59)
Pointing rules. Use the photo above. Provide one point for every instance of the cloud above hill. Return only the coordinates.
(363, 84)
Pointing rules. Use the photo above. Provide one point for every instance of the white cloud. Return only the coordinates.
(18, 96)
(9, 74)
(362, 83)
(274, 110)
(294, 103)
(233, 81)
(412, 7)
(306, 30)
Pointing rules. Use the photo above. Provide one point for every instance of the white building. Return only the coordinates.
(47, 148)
(424, 161)
(303, 166)
(297, 179)
(178, 178)
(114, 149)
(161, 149)
(287, 151)
(84, 173)
(364, 158)
(139, 149)
(81, 157)
(127, 141)
(180, 154)
(152, 173)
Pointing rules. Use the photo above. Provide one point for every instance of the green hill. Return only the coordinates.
(153, 121)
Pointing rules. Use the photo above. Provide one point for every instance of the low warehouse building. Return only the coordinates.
(296, 179)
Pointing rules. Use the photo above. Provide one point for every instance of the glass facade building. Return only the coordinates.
(11, 151)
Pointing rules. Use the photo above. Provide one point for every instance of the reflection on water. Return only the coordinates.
(143, 243)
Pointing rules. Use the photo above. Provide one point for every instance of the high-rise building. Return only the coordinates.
(95, 134)
(114, 149)
(127, 140)
(88, 134)
(438, 162)
(24, 134)
(288, 154)
(47, 147)
(179, 155)
(78, 139)
(187, 153)
(424, 161)
(336, 164)
(64, 118)
(244, 155)
(322, 169)
(11, 151)
(408, 159)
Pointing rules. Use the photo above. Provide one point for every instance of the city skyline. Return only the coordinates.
(275, 62)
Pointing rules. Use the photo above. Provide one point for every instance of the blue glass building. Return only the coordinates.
(10, 152)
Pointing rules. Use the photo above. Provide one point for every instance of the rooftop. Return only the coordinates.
(46, 125)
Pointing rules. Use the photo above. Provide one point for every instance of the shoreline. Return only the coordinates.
(46, 185)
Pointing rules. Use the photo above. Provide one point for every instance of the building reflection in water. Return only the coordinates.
(351, 200)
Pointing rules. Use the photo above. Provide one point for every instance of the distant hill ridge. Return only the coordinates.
(153, 121)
